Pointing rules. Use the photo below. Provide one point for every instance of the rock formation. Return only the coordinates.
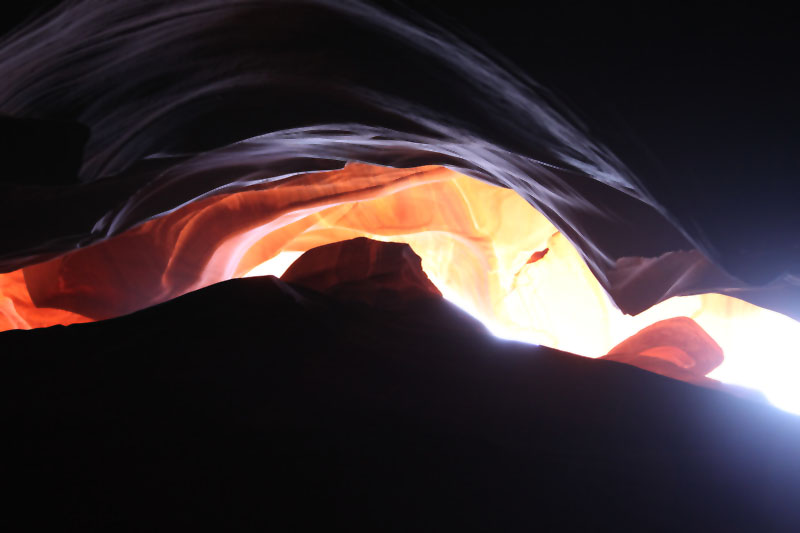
(260, 403)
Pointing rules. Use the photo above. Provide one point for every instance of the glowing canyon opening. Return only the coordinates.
(486, 249)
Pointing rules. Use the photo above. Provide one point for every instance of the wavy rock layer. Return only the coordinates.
(189, 100)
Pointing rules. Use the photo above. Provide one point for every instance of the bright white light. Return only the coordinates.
(275, 266)
(495, 328)
(762, 348)
(762, 351)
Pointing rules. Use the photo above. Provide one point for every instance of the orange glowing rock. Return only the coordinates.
(484, 247)
(212, 240)
(677, 347)
(18, 311)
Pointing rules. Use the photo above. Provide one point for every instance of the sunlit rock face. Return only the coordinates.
(676, 347)
(172, 126)
(218, 238)
(390, 275)
(483, 246)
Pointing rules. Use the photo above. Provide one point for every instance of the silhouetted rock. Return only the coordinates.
(256, 404)
(373, 272)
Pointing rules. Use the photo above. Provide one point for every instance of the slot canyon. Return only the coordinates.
(294, 265)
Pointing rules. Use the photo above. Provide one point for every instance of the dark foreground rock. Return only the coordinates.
(258, 405)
